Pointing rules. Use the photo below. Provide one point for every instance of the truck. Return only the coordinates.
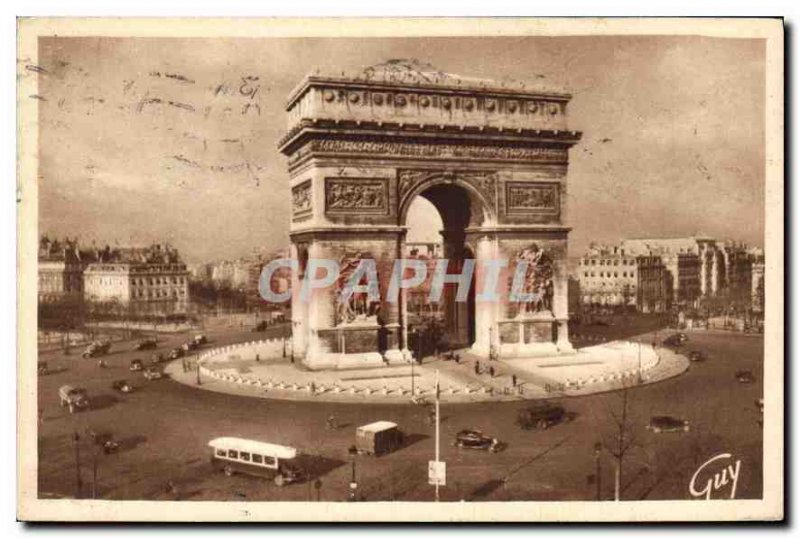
(378, 438)
(73, 397)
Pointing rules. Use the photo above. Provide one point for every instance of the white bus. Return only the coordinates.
(236, 455)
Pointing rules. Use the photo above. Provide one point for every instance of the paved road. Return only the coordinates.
(164, 428)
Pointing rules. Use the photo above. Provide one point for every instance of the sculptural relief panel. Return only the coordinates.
(357, 196)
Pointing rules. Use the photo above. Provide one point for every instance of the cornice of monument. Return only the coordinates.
(307, 128)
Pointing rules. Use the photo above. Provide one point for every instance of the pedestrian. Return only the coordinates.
(458, 358)
(258, 359)
(513, 380)
(313, 388)
(491, 371)
(477, 367)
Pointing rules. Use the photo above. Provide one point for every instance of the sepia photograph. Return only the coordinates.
(400, 270)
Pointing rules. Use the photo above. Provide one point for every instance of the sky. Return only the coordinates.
(152, 139)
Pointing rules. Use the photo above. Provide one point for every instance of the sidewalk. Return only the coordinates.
(259, 369)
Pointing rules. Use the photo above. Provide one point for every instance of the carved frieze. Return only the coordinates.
(357, 195)
(532, 198)
(301, 199)
(427, 150)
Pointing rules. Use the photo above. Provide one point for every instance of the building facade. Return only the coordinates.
(654, 285)
(140, 281)
(608, 276)
(60, 270)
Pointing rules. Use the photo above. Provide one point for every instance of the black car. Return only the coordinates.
(476, 440)
(136, 365)
(176, 353)
(157, 358)
(745, 376)
(673, 341)
(122, 386)
(665, 423)
(260, 327)
(697, 356)
(540, 416)
(149, 343)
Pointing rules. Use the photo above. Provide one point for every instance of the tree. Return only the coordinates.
(622, 439)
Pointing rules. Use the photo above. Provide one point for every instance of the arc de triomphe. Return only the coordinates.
(492, 160)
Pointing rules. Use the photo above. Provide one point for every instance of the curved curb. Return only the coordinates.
(668, 365)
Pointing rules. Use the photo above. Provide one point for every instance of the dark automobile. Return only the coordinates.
(745, 376)
(660, 424)
(189, 346)
(149, 343)
(151, 373)
(682, 337)
(540, 416)
(673, 341)
(697, 356)
(136, 365)
(96, 349)
(176, 353)
(105, 441)
(476, 440)
(157, 358)
(200, 339)
(122, 386)
(260, 327)
(42, 368)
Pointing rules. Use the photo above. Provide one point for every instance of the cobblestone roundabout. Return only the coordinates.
(264, 369)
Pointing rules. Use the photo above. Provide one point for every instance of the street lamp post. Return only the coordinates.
(197, 366)
(352, 451)
(598, 447)
(79, 486)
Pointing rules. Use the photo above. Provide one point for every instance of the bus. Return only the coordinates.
(235, 455)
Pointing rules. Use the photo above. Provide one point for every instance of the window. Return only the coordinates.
(233, 454)
(244, 456)
(269, 460)
(593, 262)
(616, 262)
(258, 459)
(221, 453)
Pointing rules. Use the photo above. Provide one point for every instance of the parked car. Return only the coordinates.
(659, 424)
(73, 397)
(148, 343)
(378, 437)
(745, 376)
(136, 365)
(235, 455)
(682, 337)
(151, 373)
(475, 439)
(176, 353)
(200, 339)
(95, 349)
(540, 416)
(42, 368)
(697, 356)
(157, 358)
(122, 386)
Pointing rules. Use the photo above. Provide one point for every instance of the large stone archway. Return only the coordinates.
(492, 160)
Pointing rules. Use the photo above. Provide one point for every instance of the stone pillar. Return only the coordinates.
(486, 310)
(715, 269)
(299, 309)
